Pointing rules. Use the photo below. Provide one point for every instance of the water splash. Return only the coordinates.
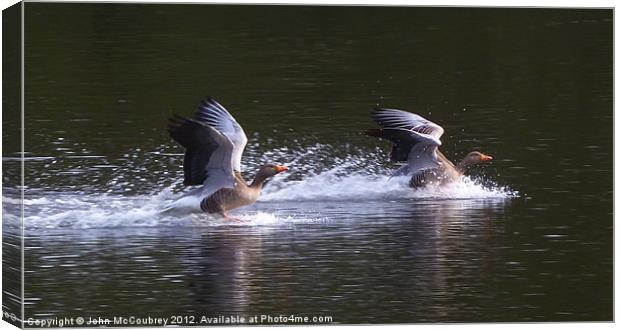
(361, 175)
(330, 185)
(316, 175)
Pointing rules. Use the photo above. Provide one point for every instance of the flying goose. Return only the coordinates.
(214, 143)
(416, 142)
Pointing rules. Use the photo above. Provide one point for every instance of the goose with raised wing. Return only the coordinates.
(214, 143)
(416, 142)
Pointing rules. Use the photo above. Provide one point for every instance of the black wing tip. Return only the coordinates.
(175, 121)
(208, 101)
(375, 114)
(211, 104)
(205, 101)
(207, 105)
(387, 133)
(378, 114)
(212, 101)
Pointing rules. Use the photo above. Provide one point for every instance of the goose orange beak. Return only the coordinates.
(486, 158)
(281, 168)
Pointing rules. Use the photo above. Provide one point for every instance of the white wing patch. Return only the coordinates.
(394, 118)
(216, 116)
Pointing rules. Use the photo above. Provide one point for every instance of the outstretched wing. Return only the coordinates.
(216, 116)
(421, 148)
(395, 127)
(423, 154)
(402, 142)
(208, 153)
(394, 118)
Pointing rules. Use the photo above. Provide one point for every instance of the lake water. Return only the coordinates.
(527, 237)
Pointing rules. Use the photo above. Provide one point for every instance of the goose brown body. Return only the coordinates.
(242, 194)
(446, 172)
(416, 141)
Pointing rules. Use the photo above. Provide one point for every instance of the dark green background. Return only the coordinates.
(532, 87)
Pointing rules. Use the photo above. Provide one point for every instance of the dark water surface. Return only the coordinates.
(526, 238)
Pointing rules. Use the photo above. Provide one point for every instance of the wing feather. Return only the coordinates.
(422, 148)
(394, 118)
(216, 116)
(423, 154)
(407, 131)
(208, 153)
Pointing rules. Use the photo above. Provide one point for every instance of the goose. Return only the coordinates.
(416, 142)
(214, 143)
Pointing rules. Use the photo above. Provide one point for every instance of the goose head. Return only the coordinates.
(474, 158)
(266, 172)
